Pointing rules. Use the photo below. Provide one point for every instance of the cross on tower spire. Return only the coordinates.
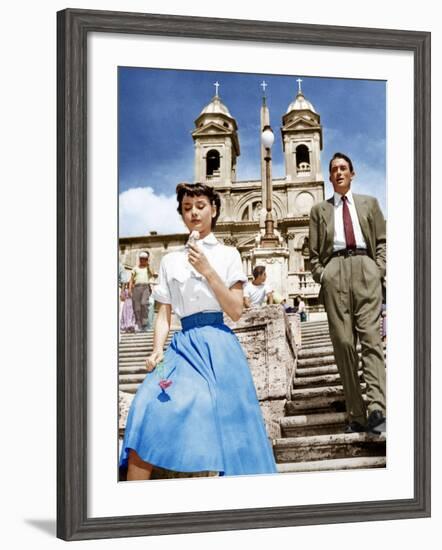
(217, 85)
(299, 85)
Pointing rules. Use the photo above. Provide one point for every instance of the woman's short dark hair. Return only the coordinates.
(258, 270)
(198, 190)
(340, 156)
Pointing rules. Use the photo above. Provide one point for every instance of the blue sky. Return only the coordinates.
(158, 107)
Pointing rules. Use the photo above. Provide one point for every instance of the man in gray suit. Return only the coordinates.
(348, 255)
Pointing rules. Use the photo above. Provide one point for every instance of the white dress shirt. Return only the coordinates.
(339, 238)
(188, 292)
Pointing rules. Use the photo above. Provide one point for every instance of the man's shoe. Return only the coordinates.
(354, 427)
(377, 423)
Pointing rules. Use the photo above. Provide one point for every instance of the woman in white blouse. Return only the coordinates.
(200, 412)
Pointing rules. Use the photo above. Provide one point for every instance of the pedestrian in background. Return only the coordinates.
(139, 290)
(258, 292)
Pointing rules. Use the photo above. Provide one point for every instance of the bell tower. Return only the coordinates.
(216, 144)
(302, 141)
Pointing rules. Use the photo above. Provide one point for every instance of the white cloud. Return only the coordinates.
(142, 211)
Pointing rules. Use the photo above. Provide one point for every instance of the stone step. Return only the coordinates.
(320, 351)
(303, 375)
(311, 324)
(142, 353)
(125, 379)
(334, 464)
(317, 371)
(132, 361)
(307, 393)
(129, 388)
(133, 369)
(140, 344)
(125, 346)
(135, 357)
(325, 447)
(129, 360)
(307, 342)
(312, 338)
(308, 353)
(318, 381)
(135, 345)
(138, 350)
(143, 342)
(135, 336)
(314, 331)
(139, 368)
(322, 404)
(315, 337)
(313, 424)
(132, 352)
(319, 361)
(320, 344)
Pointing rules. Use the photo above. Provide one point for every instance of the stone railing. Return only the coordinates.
(269, 337)
(294, 323)
(304, 283)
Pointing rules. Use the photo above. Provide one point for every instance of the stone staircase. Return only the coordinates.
(313, 437)
(133, 351)
(312, 430)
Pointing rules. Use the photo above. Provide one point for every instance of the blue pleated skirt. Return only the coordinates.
(209, 418)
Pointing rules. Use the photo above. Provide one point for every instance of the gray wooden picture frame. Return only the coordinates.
(73, 28)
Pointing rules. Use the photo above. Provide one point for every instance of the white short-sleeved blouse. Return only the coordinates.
(188, 292)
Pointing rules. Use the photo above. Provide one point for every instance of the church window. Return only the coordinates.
(212, 162)
(302, 158)
(305, 248)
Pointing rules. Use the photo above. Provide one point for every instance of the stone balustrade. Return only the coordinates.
(268, 336)
(304, 283)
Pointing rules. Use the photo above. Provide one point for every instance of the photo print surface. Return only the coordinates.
(252, 303)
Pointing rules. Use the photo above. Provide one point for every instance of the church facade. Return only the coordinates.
(242, 220)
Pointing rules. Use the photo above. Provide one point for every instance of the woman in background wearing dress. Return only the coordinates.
(127, 320)
(201, 413)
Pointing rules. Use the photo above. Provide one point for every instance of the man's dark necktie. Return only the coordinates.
(348, 224)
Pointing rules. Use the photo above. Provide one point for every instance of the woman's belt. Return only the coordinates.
(202, 319)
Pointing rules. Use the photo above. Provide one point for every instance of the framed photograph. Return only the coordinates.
(146, 102)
